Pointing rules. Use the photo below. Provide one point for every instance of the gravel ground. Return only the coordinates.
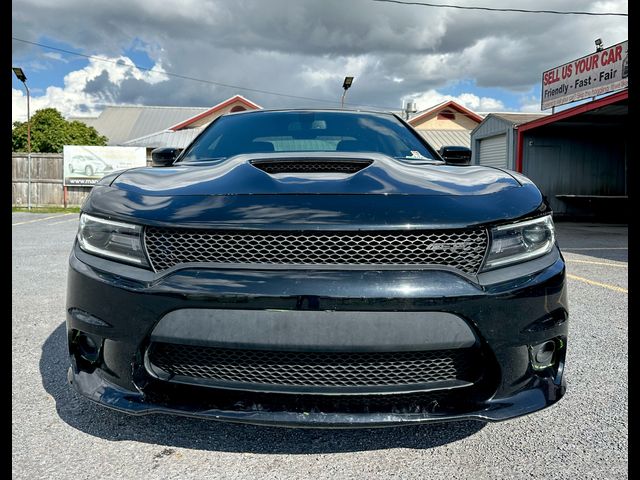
(57, 434)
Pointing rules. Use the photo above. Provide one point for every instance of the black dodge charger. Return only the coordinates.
(317, 268)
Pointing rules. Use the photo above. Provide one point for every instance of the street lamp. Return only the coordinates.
(23, 78)
(598, 43)
(346, 84)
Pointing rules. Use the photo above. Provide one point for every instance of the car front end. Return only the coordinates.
(306, 296)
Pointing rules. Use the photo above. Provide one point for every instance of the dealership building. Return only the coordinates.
(577, 156)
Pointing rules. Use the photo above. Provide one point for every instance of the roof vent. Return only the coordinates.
(347, 166)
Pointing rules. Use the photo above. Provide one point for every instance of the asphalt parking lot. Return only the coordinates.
(57, 434)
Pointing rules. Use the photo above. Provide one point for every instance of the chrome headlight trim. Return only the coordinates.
(112, 239)
(519, 242)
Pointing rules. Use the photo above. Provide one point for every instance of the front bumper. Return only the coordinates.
(508, 310)
(544, 393)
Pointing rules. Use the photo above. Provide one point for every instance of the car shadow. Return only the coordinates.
(183, 432)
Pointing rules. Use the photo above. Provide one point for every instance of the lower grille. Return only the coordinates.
(311, 370)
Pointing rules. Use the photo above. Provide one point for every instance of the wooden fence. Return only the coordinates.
(47, 172)
(46, 181)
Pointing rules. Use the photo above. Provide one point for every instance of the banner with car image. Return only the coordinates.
(85, 165)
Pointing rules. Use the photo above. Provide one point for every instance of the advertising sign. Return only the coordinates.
(592, 75)
(85, 165)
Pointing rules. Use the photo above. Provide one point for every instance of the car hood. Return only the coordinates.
(241, 175)
(385, 195)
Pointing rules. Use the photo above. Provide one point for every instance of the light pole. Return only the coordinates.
(347, 83)
(23, 78)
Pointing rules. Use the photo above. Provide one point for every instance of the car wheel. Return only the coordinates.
(88, 170)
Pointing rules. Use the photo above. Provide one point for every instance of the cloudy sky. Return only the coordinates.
(487, 61)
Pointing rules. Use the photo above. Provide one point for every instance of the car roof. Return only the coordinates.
(313, 110)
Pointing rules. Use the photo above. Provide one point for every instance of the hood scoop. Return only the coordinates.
(311, 165)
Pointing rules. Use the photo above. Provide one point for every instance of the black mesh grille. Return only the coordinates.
(343, 166)
(463, 249)
(315, 369)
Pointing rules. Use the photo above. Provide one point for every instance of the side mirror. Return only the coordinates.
(164, 157)
(455, 155)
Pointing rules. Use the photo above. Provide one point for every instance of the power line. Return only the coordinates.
(177, 75)
(516, 10)
(184, 77)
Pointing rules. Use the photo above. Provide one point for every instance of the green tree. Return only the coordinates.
(50, 132)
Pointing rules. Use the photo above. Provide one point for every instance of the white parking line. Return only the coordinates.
(64, 221)
(41, 219)
(608, 264)
(568, 249)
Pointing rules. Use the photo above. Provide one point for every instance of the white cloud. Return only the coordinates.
(55, 56)
(305, 48)
(531, 105)
(75, 98)
(333, 71)
(471, 101)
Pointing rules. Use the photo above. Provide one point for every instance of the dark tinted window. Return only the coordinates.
(306, 132)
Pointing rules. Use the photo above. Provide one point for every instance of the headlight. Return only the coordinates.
(116, 240)
(520, 241)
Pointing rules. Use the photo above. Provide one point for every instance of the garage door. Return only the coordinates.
(493, 151)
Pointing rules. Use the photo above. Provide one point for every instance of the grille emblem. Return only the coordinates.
(449, 246)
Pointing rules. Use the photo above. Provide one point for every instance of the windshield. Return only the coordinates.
(304, 131)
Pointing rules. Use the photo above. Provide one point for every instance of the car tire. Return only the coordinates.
(88, 170)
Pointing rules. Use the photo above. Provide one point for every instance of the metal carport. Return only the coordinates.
(578, 157)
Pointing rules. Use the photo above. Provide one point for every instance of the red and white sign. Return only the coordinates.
(592, 75)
